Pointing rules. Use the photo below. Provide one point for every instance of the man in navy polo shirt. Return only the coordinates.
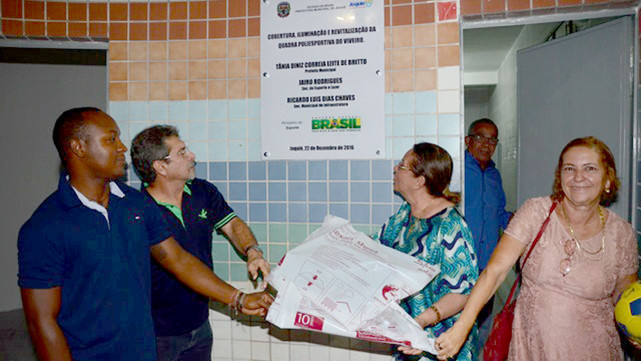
(84, 255)
(193, 208)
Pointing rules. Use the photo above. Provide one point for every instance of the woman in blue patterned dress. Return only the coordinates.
(429, 227)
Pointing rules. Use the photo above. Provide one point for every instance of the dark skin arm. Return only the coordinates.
(195, 274)
(41, 308)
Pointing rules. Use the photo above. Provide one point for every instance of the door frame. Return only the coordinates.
(636, 83)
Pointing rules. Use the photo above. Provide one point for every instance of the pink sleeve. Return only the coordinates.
(528, 219)
(627, 248)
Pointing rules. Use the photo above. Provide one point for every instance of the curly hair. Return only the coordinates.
(435, 165)
(149, 146)
(607, 162)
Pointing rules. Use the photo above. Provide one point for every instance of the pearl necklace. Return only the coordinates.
(578, 244)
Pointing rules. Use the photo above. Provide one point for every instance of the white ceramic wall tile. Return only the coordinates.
(280, 351)
(426, 124)
(319, 353)
(260, 333)
(200, 149)
(253, 151)
(217, 110)
(452, 145)
(217, 151)
(183, 128)
(449, 101)
(221, 329)
(124, 131)
(197, 130)
(401, 146)
(222, 348)
(241, 350)
(359, 355)
(433, 140)
(389, 148)
(137, 127)
(449, 124)
(178, 111)
(378, 357)
(403, 125)
(237, 150)
(240, 331)
(138, 111)
(218, 314)
(449, 78)
(260, 351)
(299, 351)
(119, 111)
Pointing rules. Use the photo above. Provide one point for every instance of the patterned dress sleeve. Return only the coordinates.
(459, 270)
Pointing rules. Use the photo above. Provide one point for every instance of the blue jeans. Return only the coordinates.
(192, 346)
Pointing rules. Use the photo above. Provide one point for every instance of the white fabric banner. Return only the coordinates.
(340, 281)
(323, 81)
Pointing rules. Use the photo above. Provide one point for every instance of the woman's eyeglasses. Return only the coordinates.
(566, 264)
(402, 166)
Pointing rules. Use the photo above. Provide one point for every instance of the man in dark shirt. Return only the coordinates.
(194, 209)
(84, 255)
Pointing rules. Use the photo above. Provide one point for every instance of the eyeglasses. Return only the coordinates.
(486, 140)
(181, 153)
(566, 264)
(573, 244)
(402, 166)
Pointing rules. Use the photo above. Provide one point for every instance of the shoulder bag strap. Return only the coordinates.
(541, 230)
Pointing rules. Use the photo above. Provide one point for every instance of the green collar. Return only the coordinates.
(176, 211)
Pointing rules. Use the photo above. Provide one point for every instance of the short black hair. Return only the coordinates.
(470, 130)
(69, 125)
(149, 146)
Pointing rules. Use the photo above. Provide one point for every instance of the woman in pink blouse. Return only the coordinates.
(585, 258)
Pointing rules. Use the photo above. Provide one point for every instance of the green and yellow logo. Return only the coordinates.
(336, 123)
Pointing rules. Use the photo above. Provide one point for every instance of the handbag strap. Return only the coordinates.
(541, 230)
